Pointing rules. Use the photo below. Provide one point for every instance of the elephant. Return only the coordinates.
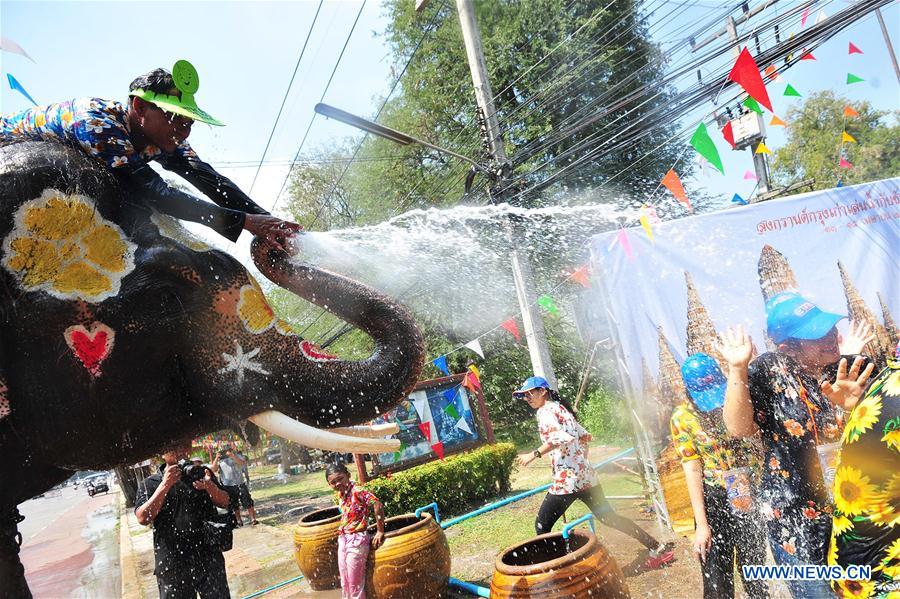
(121, 334)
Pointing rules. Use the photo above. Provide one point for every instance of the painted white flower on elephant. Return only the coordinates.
(60, 244)
(239, 362)
(172, 229)
(253, 309)
(4, 400)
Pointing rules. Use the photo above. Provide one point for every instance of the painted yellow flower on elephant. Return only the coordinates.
(253, 309)
(863, 417)
(852, 491)
(61, 244)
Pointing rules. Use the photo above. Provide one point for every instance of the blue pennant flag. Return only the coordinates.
(450, 395)
(738, 199)
(840, 183)
(441, 363)
(13, 84)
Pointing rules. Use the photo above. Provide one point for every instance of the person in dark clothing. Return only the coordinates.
(153, 125)
(187, 563)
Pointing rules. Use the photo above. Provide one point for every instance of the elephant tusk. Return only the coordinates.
(309, 436)
(372, 431)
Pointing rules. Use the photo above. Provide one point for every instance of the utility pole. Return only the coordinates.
(521, 268)
(887, 41)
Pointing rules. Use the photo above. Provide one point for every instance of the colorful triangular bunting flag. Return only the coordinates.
(622, 239)
(749, 175)
(728, 134)
(672, 182)
(651, 214)
(854, 49)
(438, 448)
(511, 326)
(762, 149)
(441, 363)
(851, 78)
(425, 427)
(645, 223)
(849, 112)
(804, 16)
(462, 425)
(546, 302)
(704, 145)
(840, 183)
(14, 84)
(847, 137)
(844, 163)
(582, 276)
(746, 74)
(450, 409)
(791, 91)
(807, 56)
(471, 381)
(753, 105)
(475, 346)
(777, 122)
(7, 45)
(822, 16)
(738, 199)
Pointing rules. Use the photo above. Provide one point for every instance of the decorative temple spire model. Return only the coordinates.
(889, 324)
(775, 274)
(671, 386)
(656, 412)
(701, 333)
(881, 346)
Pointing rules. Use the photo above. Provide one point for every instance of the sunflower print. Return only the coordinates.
(862, 418)
(853, 492)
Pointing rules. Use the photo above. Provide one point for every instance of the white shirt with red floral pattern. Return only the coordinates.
(558, 428)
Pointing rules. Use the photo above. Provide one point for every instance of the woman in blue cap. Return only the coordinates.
(573, 477)
(727, 524)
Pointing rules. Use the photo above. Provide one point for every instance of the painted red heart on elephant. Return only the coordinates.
(92, 346)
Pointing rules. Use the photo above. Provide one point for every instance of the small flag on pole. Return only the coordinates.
(851, 78)
(738, 199)
(762, 149)
(854, 49)
(673, 183)
(703, 143)
(847, 137)
(849, 112)
(807, 56)
(777, 122)
(790, 91)
(844, 163)
(749, 176)
(645, 223)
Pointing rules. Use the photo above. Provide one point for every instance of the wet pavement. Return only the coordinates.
(70, 544)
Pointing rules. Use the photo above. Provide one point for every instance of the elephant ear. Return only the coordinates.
(248, 431)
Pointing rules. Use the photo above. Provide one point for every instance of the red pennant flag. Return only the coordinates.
(854, 49)
(807, 55)
(844, 163)
(850, 112)
(673, 184)
(804, 16)
(582, 276)
(438, 448)
(471, 381)
(746, 74)
(510, 325)
(425, 427)
(728, 134)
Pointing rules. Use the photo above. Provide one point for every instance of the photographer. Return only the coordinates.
(180, 501)
(229, 465)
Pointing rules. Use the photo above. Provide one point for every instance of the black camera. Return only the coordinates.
(191, 473)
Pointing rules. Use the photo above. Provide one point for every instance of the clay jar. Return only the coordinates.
(316, 546)
(413, 562)
(549, 566)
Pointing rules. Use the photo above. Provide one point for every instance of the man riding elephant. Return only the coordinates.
(153, 126)
(120, 334)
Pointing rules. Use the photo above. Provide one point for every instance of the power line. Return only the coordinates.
(286, 93)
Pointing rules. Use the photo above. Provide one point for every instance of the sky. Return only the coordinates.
(245, 53)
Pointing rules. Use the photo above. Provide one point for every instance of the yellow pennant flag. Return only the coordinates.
(847, 137)
(645, 222)
(777, 122)
(762, 149)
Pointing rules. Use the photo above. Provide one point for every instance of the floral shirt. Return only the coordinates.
(718, 451)
(793, 417)
(558, 428)
(100, 128)
(866, 525)
(355, 505)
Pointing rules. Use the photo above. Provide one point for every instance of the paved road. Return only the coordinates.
(70, 547)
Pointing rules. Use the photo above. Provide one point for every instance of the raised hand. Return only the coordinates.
(857, 337)
(736, 347)
(272, 229)
(849, 387)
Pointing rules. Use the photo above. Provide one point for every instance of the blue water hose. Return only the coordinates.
(431, 506)
(589, 518)
(273, 587)
(470, 588)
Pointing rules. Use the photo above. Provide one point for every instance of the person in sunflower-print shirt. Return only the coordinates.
(354, 542)
(153, 126)
(779, 396)
(866, 525)
(728, 525)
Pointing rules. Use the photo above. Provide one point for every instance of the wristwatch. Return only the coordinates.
(537, 453)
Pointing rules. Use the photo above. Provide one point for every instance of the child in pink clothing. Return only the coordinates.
(353, 539)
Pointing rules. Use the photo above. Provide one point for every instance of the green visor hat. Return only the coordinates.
(188, 82)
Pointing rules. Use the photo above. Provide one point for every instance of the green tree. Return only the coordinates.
(814, 143)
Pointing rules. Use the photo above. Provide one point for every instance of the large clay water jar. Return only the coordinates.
(413, 562)
(315, 548)
(549, 566)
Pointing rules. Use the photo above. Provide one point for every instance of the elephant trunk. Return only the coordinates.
(338, 393)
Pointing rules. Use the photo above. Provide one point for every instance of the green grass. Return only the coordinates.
(311, 485)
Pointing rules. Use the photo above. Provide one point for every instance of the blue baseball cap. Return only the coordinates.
(704, 381)
(534, 382)
(791, 316)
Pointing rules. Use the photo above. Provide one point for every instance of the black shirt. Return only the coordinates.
(178, 528)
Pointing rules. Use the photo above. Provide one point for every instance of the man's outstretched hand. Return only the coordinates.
(272, 229)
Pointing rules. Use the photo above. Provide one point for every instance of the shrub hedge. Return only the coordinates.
(455, 483)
